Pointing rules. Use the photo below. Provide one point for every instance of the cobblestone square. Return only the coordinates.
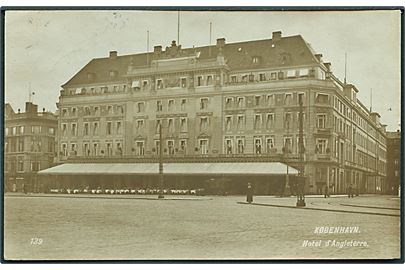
(132, 227)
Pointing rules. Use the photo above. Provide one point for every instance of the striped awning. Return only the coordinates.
(224, 168)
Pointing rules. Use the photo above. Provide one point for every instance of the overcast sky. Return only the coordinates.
(45, 49)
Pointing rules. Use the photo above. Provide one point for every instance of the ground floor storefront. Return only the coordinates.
(214, 178)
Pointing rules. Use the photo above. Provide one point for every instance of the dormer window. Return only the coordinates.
(113, 73)
(256, 59)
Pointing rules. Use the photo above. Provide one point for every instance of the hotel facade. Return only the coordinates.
(224, 103)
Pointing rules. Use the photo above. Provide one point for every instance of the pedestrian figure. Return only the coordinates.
(350, 191)
(326, 191)
(249, 198)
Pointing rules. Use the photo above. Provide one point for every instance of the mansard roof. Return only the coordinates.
(283, 52)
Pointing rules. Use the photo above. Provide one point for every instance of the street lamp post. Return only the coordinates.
(160, 196)
(301, 183)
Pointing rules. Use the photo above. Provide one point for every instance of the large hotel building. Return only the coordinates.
(229, 102)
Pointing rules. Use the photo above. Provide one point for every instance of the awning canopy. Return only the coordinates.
(253, 168)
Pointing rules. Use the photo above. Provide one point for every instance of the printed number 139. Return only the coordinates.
(36, 241)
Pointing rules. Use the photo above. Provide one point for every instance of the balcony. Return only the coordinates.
(323, 131)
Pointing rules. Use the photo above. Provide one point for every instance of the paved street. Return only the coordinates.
(132, 227)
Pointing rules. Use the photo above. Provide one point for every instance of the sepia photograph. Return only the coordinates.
(201, 134)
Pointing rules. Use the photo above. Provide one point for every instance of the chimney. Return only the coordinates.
(19, 110)
(327, 65)
(157, 49)
(43, 109)
(276, 36)
(318, 57)
(220, 42)
(113, 54)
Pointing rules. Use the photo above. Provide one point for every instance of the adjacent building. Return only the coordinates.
(393, 162)
(29, 146)
(222, 103)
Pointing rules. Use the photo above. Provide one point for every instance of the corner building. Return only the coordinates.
(29, 146)
(226, 102)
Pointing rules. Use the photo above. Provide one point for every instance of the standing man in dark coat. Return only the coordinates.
(249, 192)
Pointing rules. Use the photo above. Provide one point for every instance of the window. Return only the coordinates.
(203, 103)
(64, 128)
(118, 149)
(86, 149)
(301, 98)
(290, 73)
(183, 124)
(6, 130)
(74, 129)
(270, 121)
(203, 146)
(64, 112)
(262, 77)
(203, 123)
(199, 80)
(321, 121)
(87, 111)
(228, 102)
(14, 130)
(109, 109)
(119, 127)
(159, 106)
(109, 149)
(21, 145)
(183, 146)
(140, 107)
(109, 128)
(255, 60)
(258, 121)
(241, 122)
(269, 144)
(64, 149)
(228, 146)
(73, 151)
(270, 100)
(139, 126)
(251, 78)
(20, 166)
(183, 82)
(157, 127)
(95, 128)
(95, 149)
(241, 146)
(170, 125)
(21, 130)
(170, 147)
(258, 145)
(241, 102)
(288, 99)
(321, 145)
(287, 120)
(322, 99)
(120, 109)
(228, 123)
(51, 131)
(257, 100)
(273, 76)
(170, 105)
(140, 148)
(245, 78)
(145, 85)
(157, 146)
(304, 72)
(287, 144)
(159, 84)
(209, 80)
(86, 129)
(183, 104)
(74, 111)
(234, 79)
